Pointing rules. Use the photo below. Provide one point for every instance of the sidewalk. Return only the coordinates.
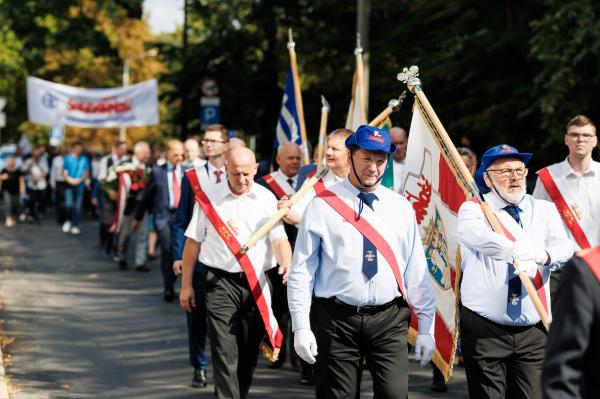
(82, 329)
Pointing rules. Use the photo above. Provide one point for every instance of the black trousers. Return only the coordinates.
(235, 330)
(345, 337)
(196, 324)
(166, 255)
(501, 361)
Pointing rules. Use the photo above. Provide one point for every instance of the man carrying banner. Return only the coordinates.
(237, 295)
(573, 186)
(503, 340)
(360, 261)
(281, 183)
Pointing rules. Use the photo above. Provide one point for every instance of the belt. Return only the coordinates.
(223, 273)
(362, 310)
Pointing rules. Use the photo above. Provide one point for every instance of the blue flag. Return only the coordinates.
(288, 126)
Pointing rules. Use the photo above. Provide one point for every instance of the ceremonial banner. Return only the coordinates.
(353, 119)
(56, 104)
(435, 195)
(288, 125)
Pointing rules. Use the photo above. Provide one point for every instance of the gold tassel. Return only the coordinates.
(269, 353)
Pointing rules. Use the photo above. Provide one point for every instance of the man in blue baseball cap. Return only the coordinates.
(503, 340)
(359, 260)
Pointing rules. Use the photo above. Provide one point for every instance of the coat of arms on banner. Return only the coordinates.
(436, 252)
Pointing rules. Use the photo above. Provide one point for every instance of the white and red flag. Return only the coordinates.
(432, 188)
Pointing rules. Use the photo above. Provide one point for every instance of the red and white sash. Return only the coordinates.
(257, 282)
(566, 212)
(123, 187)
(513, 231)
(275, 186)
(592, 258)
(368, 225)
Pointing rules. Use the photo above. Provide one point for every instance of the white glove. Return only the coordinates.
(425, 344)
(305, 345)
(540, 255)
(528, 266)
(523, 251)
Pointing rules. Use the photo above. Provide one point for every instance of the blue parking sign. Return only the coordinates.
(210, 111)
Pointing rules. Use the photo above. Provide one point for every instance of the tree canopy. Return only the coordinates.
(507, 71)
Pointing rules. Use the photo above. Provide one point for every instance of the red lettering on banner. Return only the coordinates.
(107, 106)
(420, 202)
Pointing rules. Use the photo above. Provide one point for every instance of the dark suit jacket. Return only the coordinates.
(182, 219)
(156, 198)
(572, 365)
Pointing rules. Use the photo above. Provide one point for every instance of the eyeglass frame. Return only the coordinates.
(583, 136)
(510, 173)
(211, 141)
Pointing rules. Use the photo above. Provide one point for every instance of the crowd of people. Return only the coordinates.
(330, 286)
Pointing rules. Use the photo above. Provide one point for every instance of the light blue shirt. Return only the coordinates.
(486, 254)
(328, 260)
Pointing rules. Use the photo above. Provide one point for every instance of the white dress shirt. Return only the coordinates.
(398, 168)
(328, 258)
(103, 167)
(243, 215)
(329, 180)
(170, 170)
(581, 194)
(282, 180)
(198, 162)
(486, 256)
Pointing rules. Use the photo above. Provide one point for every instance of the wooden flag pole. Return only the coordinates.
(298, 94)
(265, 228)
(322, 131)
(393, 106)
(409, 76)
(358, 51)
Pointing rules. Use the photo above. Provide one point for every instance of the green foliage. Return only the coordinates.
(504, 71)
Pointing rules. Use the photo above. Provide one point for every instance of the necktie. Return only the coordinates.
(218, 173)
(369, 256)
(291, 182)
(176, 189)
(513, 303)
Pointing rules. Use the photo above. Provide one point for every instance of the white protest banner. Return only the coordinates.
(56, 104)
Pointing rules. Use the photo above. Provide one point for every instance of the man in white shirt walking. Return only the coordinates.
(573, 186)
(237, 295)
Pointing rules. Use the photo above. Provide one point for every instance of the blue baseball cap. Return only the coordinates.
(494, 154)
(371, 139)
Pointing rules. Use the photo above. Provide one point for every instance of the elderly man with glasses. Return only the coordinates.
(573, 186)
(503, 340)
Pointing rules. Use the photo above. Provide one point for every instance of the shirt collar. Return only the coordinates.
(592, 170)
(355, 191)
(226, 192)
(496, 203)
(285, 177)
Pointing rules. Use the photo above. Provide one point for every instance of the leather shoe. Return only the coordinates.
(199, 380)
(438, 386)
(306, 375)
(142, 268)
(123, 265)
(169, 296)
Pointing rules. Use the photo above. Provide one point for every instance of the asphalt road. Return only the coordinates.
(83, 329)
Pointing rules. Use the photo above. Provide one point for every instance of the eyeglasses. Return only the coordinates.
(209, 141)
(582, 136)
(507, 172)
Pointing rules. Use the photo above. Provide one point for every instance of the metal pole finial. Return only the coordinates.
(325, 103)
(290, 44)
(358, 50)
(410, 77)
